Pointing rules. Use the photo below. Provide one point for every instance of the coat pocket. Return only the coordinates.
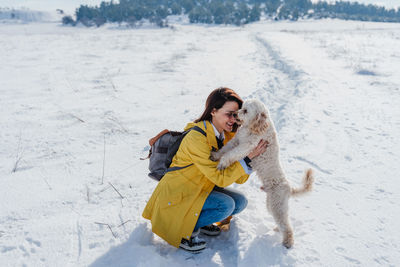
(171, 201)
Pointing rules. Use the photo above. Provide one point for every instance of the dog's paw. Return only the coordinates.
(288, 243)
(288, 239)
(222, 165)
(214, 156)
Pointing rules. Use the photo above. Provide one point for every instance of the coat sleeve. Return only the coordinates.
(196, 147)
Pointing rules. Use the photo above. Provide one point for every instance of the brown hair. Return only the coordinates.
(217, 99)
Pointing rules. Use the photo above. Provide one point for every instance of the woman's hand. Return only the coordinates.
(260, 148)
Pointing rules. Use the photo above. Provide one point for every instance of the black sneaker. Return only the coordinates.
(211, 230)
(195, 244)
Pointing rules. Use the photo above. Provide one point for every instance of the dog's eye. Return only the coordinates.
(244, 111)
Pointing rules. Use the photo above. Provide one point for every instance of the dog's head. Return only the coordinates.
(254, 115)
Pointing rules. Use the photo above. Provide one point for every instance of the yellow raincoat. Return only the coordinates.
(176, 202)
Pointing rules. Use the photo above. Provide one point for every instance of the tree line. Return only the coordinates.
(236, 12)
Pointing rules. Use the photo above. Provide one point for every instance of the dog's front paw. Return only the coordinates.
(223, 164)
(214, 156)
(220, 167)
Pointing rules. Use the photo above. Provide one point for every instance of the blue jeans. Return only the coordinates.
(220, 204)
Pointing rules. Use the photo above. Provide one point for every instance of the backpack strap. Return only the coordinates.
(178, 168)
(198, 129)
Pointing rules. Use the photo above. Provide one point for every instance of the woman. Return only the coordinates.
(189, 200)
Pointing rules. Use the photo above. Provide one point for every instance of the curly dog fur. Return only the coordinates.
(256, 125)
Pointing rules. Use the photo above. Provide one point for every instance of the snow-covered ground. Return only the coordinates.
(77, 106)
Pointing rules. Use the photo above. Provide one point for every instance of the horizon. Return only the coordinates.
(71, 5)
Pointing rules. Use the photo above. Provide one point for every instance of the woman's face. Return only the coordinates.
(225, 117)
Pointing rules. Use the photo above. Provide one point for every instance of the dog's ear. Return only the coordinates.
(259, 125)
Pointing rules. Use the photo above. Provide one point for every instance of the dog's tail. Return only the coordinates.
(308, 181)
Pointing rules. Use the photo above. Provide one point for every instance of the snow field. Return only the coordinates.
(332, 88)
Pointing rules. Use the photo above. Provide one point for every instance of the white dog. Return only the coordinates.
(256, 125)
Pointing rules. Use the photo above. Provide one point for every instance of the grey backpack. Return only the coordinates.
(163, 148)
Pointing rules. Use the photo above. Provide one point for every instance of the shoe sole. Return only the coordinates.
(210, 233)
(191, 249)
